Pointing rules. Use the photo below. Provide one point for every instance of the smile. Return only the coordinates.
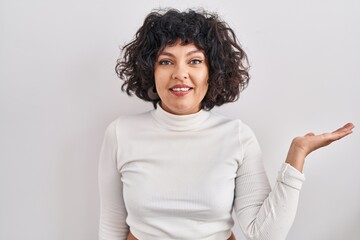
(180, 89)
(177, 91)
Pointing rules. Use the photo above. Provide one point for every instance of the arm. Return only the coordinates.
(112, 208)
(265, 214)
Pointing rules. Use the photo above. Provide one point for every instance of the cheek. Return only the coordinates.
(161, 76)
(160, 83)
(204, 82)
(205, 88)
(157, 79)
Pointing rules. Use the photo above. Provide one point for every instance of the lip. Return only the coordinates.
(180, 86)
(180, 93)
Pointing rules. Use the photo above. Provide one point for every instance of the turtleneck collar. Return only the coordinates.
(179, 122)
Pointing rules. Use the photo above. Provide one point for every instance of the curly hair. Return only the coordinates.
(227, 62)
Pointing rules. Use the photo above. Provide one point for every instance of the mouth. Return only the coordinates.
(180, 91)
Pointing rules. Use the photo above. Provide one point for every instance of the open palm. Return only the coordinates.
(304, 145)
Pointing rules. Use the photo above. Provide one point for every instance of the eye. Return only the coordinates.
(165, 62)
(196, 61)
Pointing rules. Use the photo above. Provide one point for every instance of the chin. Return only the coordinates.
(181, 109)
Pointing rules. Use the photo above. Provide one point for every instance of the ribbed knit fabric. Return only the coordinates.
(165, 176)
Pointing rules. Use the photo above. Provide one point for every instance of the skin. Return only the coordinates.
(185, 64)
(181, 64)
(304, 145)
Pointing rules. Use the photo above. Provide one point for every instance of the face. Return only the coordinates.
(181, 75)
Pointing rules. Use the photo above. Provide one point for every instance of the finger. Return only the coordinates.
(346, 127)
(349, 125)
(338, 135)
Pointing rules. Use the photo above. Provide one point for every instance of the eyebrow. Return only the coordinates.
(187, 54)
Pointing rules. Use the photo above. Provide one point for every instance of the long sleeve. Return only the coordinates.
(264, 214)
(113, 213)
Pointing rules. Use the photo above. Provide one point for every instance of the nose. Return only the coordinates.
(180, 72)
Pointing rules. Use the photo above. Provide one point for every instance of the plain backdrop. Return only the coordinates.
(59, 91)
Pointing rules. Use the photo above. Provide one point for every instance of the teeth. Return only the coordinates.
(180, 89)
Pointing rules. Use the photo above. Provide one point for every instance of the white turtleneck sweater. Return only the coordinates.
(165, 176)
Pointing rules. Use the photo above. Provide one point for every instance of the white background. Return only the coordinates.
(59, 91)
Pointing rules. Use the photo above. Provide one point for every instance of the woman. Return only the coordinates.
(178, 171)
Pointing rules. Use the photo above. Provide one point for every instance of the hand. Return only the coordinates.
(304, 145)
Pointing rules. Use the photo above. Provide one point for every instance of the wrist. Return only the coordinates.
(299, 165)
(295, 159)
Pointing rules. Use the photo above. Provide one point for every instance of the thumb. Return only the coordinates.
(310, 134)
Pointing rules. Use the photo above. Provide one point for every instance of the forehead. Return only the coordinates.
(178, 48)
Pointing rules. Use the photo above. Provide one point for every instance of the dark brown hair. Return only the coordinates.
(227, 62)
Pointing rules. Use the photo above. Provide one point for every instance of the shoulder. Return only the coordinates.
(243, 131)
(128, 121)
(243, 128)
(125, 125)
